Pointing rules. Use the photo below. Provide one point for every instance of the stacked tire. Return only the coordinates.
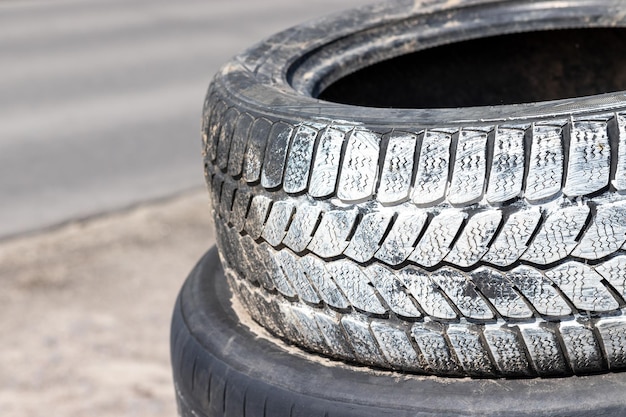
(423, 261)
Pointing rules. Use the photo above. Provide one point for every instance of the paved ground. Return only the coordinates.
(100, 100)
(85, 310)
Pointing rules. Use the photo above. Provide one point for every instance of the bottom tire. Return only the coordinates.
(225, 368)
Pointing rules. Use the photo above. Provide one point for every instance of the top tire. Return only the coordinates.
(482, 241)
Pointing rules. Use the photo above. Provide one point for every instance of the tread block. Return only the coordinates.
(326, 166)
(256, 215)
(396, 346)
(362, 341)
(227, 197)
(539, 291)
(275, 272)
(435, 244)
(392, 291)
(302, 226)
(306, 323)
(253, 159)
(213, 129)
(276, 155)
(295, 274)
(545, 167)
(239, 144)
(543, 347)
(331, 237)
(582, 347)
(583, 286)
(299, 159)
(462, 293)
(400, 241)
(500, 293)
(225, 139)
(240, 209)
(468, 175)
(426, 293)
(276, 225)
(473, 241)
(322, 280)
(557, 235)
(395, 180)
(216, 190)
(368, 235)
(512, 240)
(507, 350)
(333, 334)
(359, 171)
(506, 176)
(606, 233)
(469, 349)
(355, 285)
(253, 259)
(613, 334)
(433, 346)
(589, 161)
(432, 168)
(614, 272)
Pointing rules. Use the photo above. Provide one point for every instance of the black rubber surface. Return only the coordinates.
(221, 368)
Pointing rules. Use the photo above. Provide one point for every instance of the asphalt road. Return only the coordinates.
(100, 100)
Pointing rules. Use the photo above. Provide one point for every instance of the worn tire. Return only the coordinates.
(223, 367)
(480, 241)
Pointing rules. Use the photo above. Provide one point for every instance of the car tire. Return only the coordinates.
(475, 241)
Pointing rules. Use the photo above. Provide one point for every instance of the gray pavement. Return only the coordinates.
(100, 100)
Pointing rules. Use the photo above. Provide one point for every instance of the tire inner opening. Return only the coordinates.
(507, 69)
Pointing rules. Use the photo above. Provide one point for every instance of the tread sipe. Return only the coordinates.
(485, 241)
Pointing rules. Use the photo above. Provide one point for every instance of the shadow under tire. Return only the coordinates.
(222, 368)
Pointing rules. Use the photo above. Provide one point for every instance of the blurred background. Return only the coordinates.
(102, 208)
